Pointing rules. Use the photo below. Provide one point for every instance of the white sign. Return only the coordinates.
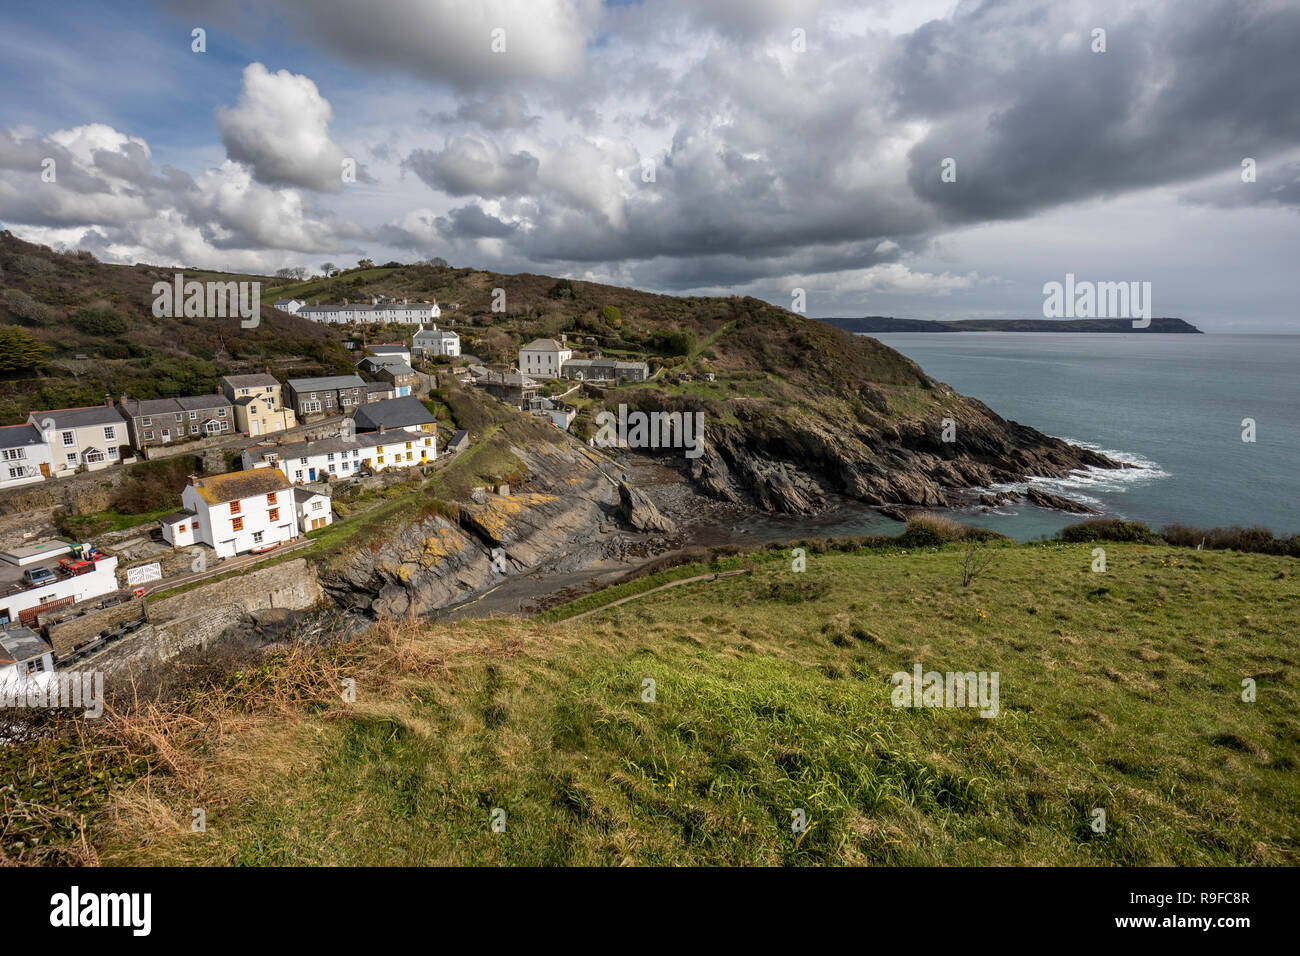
(143, 573)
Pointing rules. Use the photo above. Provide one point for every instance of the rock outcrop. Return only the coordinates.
(640, 512)
(421, 562)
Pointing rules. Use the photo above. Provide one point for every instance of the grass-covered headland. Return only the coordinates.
(1120, 691)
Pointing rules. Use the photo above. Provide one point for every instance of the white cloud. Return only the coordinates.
(279, 128)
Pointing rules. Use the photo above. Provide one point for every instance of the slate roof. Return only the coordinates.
(544, 345)
(320, 446)
(218, 489)
(80, 417)
(325, 383)
(20, 644)
(260, 380)
(19, 436)
(177, 516)
(393, 413)
(304, 493)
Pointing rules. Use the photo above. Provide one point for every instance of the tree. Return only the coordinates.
(19, 349)
(365, 263)
(327, 268)
(613, 318)
(563, 289)
(438, 263)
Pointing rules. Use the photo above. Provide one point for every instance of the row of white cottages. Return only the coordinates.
(400, 312)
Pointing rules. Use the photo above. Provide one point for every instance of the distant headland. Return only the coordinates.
(879, 323)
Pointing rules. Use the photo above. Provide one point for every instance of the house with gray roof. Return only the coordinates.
(325, 395)
(89, 437)
(24, 456)
(408, 414)
(605, 370)
(157, 421)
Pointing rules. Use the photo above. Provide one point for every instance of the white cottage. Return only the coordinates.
(312, 506)
(544, 358)
(237, 512)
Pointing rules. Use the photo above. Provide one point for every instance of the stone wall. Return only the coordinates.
(198, 617)
(66, 631)
(79, 494)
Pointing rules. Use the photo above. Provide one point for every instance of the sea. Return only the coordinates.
(1175, 405)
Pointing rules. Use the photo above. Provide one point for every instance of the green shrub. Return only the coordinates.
(1255, 540)
(1106, 529)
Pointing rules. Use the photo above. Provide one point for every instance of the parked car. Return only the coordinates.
(38, 576)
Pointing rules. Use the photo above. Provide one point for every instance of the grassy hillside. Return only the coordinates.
(1119, 691)
(94, 327)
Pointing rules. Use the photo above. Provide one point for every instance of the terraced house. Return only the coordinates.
(157, 421)
(331, 458)
(258, 404)
(90, 437)
(326, 395)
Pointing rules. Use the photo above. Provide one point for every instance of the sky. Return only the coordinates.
(918, 159)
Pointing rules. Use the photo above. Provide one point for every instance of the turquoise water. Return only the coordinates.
(1170, 403)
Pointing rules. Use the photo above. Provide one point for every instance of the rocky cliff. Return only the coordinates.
(425, 559)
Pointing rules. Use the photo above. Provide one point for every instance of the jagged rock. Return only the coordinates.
(1045, 499)
(640, 512)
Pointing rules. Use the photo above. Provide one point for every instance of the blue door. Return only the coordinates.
(311, 474)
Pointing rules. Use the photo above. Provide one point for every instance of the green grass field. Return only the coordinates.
(1119, 691)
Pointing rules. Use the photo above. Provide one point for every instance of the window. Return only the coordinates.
(235, 508)
(408, 445)
(243, 391)
(257, 537)
(180, 417)
(330, 456)
(148, 435)
(297, 476)
(112, 452)
(15, 472)
(270, 498)
(110, 433)
(310, 407)
(69, 438)
(194, 429)
(302, 461)
(193, 416)
(237, 524)
(14, 454)
(146, 421)
(273, 514)
(317, 505)
(71, 458)
(94, 456)
(221, 413)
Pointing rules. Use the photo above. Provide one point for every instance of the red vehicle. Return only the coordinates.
(75, 565)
